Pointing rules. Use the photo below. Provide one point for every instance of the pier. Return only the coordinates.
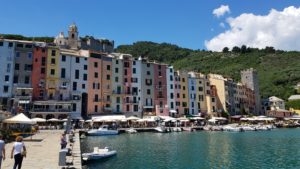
(43, 151)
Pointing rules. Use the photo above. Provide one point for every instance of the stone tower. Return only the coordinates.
(249, 78)
(73, 36)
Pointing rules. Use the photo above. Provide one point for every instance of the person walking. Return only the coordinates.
(63, 141)
(2, 150)
(17, 152)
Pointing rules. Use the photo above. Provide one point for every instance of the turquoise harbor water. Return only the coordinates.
(279, 148)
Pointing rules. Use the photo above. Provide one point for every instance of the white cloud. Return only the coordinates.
(280, 29)
(222, 24)
(222, 10)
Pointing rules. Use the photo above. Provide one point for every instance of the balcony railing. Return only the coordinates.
(51, 110)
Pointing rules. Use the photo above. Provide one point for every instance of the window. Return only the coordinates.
(52, 72)
(95, 64)
(107, 67)
(116, 70)
(10, 44)
(148, 64)
(96, 108)
(171, 86)
(43, 61)
(6, 78)
(201, 98)
(171, 78)
(16, 79)
(96, 75)
(27, 78)
(125, 72)
(136, 108)
(148, 73)
(116, 79)
(85, 67)
(127, 108)
(171, 70)
(17, 54)
(28, 67)
(213, 99)
(43, 50)
(107, 77)
(74, 107)
(133, 63)
(63, 58)
(63, 73)
(8, 67)
(207, 91)
(19, 45)
(53, 61)
(148, 91)
(76, 74)
(125, 80)
(117, 61)
(134, 70)
(126, 64)
(172, 105)
(171, 95)
(98, 86)
(85, 77)
(183, 87)
(192, 88)
(29, 55)
(5, 89)
(159, 73)
(77, 60)
(118, 100)
(183, 96)
(1, 43)
(53, 52)
(83, 86)
(183, 79)
(200, 89)
(74, 86)
(43, 70)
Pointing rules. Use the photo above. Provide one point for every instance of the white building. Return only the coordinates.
(136, 87)
(171, 91)
(192, 90)
(276, 103)
(73, 71)
(6, 71)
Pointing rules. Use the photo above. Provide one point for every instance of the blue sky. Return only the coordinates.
(187, 23)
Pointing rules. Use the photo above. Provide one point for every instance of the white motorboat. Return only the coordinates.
(82, 136)
(131, 131)
(176, 129)
(99, 154)
(231, 128)
(102, 131)
(160, 129)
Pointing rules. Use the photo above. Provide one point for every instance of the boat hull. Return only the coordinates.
(102, 133)
(98, 156)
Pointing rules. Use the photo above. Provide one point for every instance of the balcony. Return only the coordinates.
(131, 102)
(52, 110)
(107, 109)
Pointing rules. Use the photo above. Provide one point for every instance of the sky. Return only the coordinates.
(195, 24)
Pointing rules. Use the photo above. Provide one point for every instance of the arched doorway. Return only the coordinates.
(39, 116)
(62, 116)
(49, 116)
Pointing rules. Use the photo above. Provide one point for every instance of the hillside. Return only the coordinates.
(279, 71)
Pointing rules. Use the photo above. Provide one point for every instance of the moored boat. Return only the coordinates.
(99, 154)
(131, 131)
(102, 131)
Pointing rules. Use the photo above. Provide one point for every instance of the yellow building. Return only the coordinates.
(52, 78)
(184, 93)
(219, 82)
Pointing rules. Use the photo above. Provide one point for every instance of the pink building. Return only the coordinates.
(160, 90)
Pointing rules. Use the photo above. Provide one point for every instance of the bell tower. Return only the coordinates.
(73, 36)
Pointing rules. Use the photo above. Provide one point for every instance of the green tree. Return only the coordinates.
(225, 50)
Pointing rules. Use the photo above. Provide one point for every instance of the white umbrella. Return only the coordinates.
(132, 118)
(53, 120)
(20, 119)
(39, 120)
(197, 118)
(88, 121)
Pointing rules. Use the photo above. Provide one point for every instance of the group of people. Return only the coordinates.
(18, 151)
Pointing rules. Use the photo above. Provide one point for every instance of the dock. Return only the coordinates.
(43, 151)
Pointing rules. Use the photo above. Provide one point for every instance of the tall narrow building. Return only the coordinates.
(249, 78)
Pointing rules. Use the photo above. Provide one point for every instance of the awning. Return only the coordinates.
(39, 120)
(108, 118)
(173, 111)
(20, 119)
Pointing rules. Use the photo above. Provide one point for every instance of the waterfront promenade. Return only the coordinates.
(43, 154)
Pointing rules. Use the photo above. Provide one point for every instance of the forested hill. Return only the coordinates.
(279, 71)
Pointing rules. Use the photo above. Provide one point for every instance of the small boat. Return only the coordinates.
(160, 129)
(102, 131)
(176, 129)
(82, 136)
(187, 129)
(99, 154)
(131, 131)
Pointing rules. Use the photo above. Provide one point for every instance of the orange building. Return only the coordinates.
(39, 72)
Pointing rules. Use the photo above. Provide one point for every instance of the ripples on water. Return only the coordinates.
(276, 149)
